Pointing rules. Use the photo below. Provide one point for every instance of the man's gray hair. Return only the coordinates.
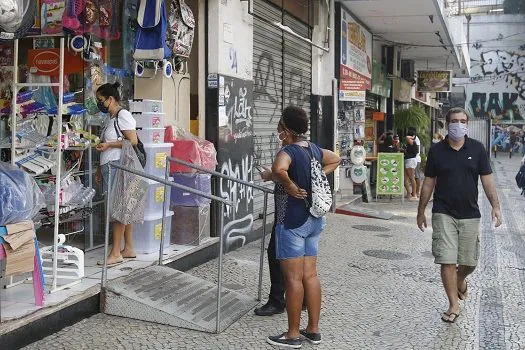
(456, 110)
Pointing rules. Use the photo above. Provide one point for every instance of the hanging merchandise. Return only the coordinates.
(21, 198)
(151, 46)
(181, 26)
(16, 18)
(358, 155)
(51, 13)
(358, 174)
(70, 20)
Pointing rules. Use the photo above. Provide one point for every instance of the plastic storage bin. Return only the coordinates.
(156, 154)
(155, 197)
(146, 236)
(200, 182)
(151, 135)
(149, 120)
(145, 106)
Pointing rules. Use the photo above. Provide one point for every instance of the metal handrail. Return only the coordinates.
(265, 191)
(165, 181)
(215, 173)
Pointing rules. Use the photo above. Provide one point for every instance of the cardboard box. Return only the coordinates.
(190, 225)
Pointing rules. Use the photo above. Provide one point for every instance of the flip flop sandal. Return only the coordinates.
(463, 295)
(449, 318)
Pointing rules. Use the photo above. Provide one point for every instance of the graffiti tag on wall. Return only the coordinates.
(235, 157)
(497, 86)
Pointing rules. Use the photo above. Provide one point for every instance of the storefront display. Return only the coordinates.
(50, 124)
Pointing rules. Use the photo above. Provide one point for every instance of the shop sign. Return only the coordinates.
(378, 116)
(402, 90)
(356, 55)
(381, 85)
(47, 62)
(434, 80)
(390, 174)
(349, 95)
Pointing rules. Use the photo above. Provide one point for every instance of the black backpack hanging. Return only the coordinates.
(520, 179)
(139, 147)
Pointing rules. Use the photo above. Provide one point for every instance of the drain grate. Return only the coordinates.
(372, 228)
(386, 254)
(383, 235)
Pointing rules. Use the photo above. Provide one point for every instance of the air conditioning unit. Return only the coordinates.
(391, 59)
(407, 70)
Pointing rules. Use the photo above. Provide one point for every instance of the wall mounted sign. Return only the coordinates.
(356, 55)
(434, 80)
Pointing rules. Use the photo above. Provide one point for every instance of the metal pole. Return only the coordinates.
(263, 241)
(59, 162)
(166, 177)
(106, 234)
(13, 104)
(90, 175)
(219, 277)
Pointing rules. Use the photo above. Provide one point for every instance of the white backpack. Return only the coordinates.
(321, 192)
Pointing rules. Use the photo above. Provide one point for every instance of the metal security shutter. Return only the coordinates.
(297, 65)
(282, 67)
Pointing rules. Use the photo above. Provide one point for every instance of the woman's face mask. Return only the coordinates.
(102, 107)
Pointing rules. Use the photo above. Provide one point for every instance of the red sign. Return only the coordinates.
(378, 116)
(47, 61)
(353, 81)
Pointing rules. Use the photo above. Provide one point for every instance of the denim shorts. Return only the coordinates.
(300, 241)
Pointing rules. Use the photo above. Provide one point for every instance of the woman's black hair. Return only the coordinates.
(109, 90)
(295, 119)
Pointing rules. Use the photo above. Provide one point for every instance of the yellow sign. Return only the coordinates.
(159, 194)
(160, 160)
(158, 231)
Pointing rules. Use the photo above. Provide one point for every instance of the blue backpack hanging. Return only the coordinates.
(151, 35)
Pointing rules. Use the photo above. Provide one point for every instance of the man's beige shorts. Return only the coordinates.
(455, 241)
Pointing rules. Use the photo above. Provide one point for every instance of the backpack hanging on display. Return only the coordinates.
(181, 27)
(150, 40)
(321, 192)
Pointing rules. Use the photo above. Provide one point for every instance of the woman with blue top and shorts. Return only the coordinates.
(297, 231)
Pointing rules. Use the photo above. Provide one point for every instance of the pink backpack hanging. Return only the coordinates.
(70, 20)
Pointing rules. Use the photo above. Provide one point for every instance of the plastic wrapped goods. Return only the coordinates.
(20, 196)
(191, 149)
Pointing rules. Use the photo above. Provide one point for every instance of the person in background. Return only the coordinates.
(396, 143)
(297, 232)
(411, 151)
(119, 124)
(418, 172)
(438, 137)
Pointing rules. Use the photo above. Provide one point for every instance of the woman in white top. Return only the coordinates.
(119, 124)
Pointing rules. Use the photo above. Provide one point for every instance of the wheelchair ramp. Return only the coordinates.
(167, 296)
